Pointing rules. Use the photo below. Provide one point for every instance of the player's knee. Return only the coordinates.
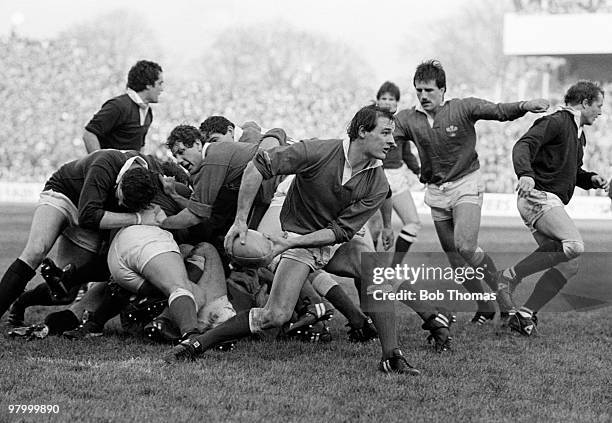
(204, 249)
(466, 250)
(322, 282)
(572, 249)
(569, 269)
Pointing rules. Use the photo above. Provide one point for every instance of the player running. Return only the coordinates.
(548, 163)
(444, 134)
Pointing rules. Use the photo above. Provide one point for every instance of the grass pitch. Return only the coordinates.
(562, 375)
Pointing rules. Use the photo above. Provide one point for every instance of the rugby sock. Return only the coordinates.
(384, 321)
(547, 287)
(110, 306)
(183, 313)
(489, 269)
(525, 312)
(13, 283)
(61, 321)
(235, 328)
(474, 286)
(41, 295)
(341, 301)
(547, 255)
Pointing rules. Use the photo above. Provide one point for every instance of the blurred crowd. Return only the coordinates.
(563, 6)
(50, 89)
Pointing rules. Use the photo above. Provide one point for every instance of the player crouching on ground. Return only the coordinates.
(548, 163)
(338, 185)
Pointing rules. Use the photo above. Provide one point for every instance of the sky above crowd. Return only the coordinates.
(375, 29)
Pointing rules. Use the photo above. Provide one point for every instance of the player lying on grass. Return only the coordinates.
(104, 190)
(445, 137)
(548, 162)
(339, 184)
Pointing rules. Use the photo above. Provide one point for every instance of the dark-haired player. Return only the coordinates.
(548, 163)
(338, 185)
(104, 190)
(123, 121)
(445, 137)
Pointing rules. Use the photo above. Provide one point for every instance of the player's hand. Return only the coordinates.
(539, 105)
(238, 230)
(279, 244)
(387, 237)
(525, 185)
(168, 184)
(600, 182)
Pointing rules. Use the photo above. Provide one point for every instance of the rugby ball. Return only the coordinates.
(255, 252)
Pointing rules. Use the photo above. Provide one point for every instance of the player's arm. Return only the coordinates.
(355, 216)
(284, 160)
(99, 184)
(101, 123)
(524, 151)
(91, 141)
(386, 211)
(479, 109)
(184, 219)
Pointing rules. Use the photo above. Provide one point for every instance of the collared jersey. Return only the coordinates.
(318, 198)
(118, 124)
(447, 146)
(551, 153)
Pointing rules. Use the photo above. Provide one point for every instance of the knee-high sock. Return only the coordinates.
(475, 286)
(61, 321)
(341, 301)
(184, 314)
(13, 283)
(110, 306)
(547, 287)
(425, 309)
(41, 295)
(235, 328)
(489, 269)
(545, 256)
(383, 317)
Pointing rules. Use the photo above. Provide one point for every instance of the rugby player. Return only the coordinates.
(548, 162)
(104, 190)
(445, 137)
(338, 185)
(123, 121)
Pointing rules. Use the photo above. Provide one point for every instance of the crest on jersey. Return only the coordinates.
(451, 131)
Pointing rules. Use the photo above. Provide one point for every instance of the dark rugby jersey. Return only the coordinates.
(216, 181)
(316, 198)
(448, 149)
(90, 182)
(117, 124)
(551, 153)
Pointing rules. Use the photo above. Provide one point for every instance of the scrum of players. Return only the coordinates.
(156, 240)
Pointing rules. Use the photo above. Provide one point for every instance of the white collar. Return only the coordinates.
(135, 97)
(430, 119)
(347, 172)
(204, 148)
(576, 114)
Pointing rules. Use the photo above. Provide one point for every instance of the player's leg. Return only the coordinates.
(552, 226)
(559, 241)
(47, 224)
(466, 216)
(347, 262)
(288, 280)
(404, 206)
(210, 288)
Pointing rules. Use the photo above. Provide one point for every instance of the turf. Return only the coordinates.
(563, 374)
